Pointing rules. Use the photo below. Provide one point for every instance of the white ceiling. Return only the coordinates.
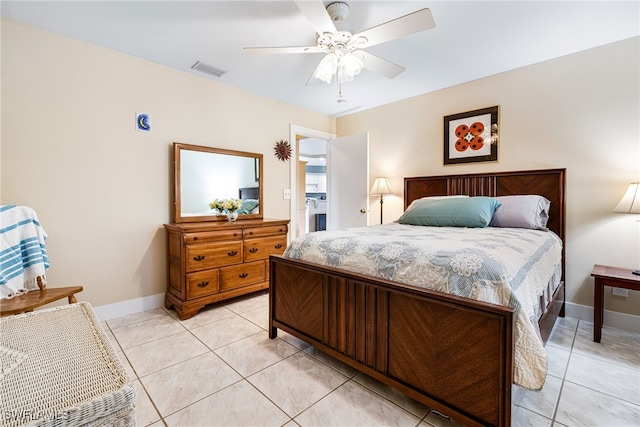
(471, 40)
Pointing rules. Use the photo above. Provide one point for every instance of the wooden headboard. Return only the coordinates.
(249, 193)
(549, 183)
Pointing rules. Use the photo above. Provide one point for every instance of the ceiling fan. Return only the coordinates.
(344, 55)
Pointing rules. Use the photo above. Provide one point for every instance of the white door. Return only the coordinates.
(348, 182)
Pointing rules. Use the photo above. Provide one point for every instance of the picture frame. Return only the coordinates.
(471, 136)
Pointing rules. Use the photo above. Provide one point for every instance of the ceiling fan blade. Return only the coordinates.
(405, 25)
(381, 66)
(316, 13)
(313, 80)
(284, 49)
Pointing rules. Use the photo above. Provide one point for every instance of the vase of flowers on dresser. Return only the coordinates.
(232, 216)
(228, 207)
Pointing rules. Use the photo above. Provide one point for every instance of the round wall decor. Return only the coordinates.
(282, 150)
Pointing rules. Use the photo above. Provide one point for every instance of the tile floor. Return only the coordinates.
(220, 368)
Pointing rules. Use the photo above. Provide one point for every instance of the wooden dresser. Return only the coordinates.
(214, 261)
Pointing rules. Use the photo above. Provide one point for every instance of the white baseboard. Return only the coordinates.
(136, 305)
(581, 312)
(614, 319)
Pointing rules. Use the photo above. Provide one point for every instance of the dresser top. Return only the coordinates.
(223, 225)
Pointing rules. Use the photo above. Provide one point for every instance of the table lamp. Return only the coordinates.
(380, 188)
(630, 204)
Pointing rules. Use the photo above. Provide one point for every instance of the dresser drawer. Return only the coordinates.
(242, 275)
(211, 255)
(261, 248)
(212, 236)
(251, 232)
(202, 283)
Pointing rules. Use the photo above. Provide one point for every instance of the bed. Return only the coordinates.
(453, 354)
(250, 197)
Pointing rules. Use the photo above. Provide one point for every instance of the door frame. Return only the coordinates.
(296, 131)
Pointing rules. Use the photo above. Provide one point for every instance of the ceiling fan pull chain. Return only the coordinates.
(341, 99)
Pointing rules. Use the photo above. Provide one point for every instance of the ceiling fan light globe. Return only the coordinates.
(327, 68)
(324, 77)
(346, 77)
(352, 64)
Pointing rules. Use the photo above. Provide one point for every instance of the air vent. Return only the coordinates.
(208, 69)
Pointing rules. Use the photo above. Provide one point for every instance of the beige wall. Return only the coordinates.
(102, 189)
(579, 112)
(69, 149)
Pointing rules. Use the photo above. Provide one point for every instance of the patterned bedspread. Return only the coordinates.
(505, 266)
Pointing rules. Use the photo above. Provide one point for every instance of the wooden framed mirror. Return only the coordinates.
(202, 174)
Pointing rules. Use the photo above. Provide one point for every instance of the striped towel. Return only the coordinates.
(23, 255)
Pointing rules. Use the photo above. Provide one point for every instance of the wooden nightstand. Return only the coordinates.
(609, 276)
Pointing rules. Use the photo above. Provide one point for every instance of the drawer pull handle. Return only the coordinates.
(278, 246)
(243, 275)
(195, 238)
(198, 258)
(232, 253)
(250, 233)
(203, 284)
(235, 234)
(253, 250)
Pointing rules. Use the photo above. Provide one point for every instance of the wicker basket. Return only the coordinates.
(60, 369)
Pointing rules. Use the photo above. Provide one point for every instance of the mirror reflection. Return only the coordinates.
(204, 175)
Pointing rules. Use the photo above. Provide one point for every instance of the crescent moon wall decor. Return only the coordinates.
(143, 122)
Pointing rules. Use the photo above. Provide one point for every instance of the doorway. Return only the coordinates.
(312, 153)
(312, 175)
(345, 181)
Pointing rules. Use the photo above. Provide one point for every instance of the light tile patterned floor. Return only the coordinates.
(220, 368)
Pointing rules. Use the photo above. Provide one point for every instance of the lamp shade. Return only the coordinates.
(630, 202)
(380, 187)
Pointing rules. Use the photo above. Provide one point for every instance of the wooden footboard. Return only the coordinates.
(452, 354)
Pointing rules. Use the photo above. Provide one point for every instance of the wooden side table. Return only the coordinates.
(609, 276)
(34, 299)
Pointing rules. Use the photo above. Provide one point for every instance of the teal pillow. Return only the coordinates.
(247, 206)
(451, 212)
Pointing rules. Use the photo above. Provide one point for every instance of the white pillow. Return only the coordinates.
(526, 211)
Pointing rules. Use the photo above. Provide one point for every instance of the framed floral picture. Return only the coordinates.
(471, 137)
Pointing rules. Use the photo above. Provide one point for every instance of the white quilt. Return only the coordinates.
(505, 266)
